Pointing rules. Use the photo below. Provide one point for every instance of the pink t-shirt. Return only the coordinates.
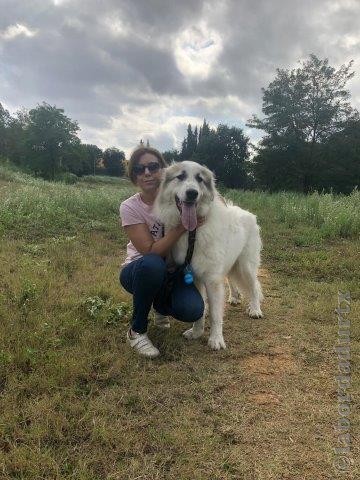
(132, 212)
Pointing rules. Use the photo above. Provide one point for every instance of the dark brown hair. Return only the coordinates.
(135, 158)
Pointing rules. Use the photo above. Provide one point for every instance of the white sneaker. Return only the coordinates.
(142, 344)
(161, 321)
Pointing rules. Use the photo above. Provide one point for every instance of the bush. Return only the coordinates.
(67, 177)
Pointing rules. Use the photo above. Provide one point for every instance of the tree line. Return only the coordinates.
(44, 141)
(311, 141)
(225, 150)
(311, 138)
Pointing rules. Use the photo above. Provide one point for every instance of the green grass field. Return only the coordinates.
(76, 403)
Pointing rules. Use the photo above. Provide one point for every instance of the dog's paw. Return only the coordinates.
(217, 342)
(254, 312)
(192, 334)
(234, 300)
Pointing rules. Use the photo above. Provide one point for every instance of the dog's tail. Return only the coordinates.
(244, 271)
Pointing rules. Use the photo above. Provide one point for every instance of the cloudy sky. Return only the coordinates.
(131, 69)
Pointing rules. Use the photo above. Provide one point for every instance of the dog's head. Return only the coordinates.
(189, 186)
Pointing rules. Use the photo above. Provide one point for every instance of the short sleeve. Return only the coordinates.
(129, 215)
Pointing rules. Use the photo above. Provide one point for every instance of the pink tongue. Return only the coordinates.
(188, 216)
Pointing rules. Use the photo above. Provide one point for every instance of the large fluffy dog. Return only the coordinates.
(227, 245)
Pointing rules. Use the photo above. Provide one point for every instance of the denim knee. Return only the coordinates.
(154, 267)
(189, 311)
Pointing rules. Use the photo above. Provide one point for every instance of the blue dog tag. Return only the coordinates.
(188, 275)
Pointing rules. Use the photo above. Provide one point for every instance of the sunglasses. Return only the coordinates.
(152, 167)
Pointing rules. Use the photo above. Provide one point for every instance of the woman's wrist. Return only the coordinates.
(180, 229)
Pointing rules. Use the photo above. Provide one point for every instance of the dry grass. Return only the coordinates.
(77, 404)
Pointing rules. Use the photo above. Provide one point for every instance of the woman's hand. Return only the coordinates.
(200, 221)
(180, 228)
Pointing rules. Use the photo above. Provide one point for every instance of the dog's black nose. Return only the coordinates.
(191, 195)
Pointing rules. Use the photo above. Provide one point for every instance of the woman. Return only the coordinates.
(144, 270)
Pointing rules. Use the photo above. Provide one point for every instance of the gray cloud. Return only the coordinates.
(127, 69)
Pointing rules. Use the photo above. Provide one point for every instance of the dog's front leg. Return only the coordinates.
(216, 294)
(197, 330)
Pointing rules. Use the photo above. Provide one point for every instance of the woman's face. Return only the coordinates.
(149, 179)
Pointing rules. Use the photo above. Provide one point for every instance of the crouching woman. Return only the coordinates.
(144, 272)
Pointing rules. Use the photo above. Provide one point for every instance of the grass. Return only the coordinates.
(77, 404)
(33, 208)
(323, 216)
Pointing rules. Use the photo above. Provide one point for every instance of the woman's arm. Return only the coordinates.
(143, 241)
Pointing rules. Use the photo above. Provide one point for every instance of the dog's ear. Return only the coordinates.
(164, 176)
(209, 181)
(167, 175)
(170, 172)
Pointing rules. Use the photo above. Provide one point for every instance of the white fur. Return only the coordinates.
(228, 244)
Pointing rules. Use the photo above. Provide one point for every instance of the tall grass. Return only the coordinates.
(30, 207)
(35, 208)
(10, 173)
(103, 179)
(332, 215)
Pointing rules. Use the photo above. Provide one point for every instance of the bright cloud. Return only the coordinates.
(13, 31)
(196, 50)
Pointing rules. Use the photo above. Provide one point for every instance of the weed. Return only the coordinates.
(105, 310)
(27, 295)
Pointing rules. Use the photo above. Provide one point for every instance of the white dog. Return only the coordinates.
(228, 244)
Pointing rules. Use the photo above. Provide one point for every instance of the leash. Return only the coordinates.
(191, 245)
(188, 271)
(186, 267)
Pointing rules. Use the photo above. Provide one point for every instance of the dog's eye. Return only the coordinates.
(198, 178)
(182, 176)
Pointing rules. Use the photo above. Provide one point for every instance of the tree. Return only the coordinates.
(225, 151)
(189, 144)
(5, 120)
(303, 109)
(50, 137)
(183, 154)
(171, 156)
(82, 159)
(340, 160)
(235, 147)
(196, 137)
(92, 157)
(114, 162)
(16, 137)
(44, 140)
(204, 131)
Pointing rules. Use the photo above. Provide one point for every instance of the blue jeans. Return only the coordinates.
(145, 279)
